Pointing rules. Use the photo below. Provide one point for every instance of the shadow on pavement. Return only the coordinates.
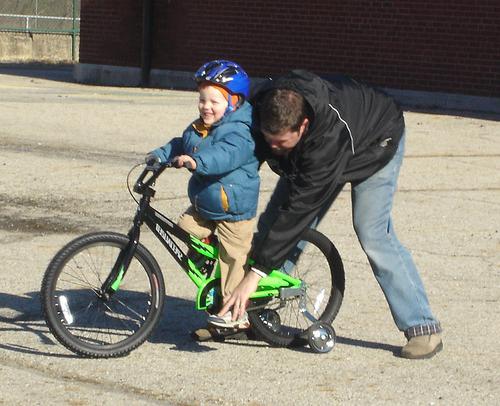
(369, 344)
(55, 72)
(179, 318)
(395, 350)
(459, 113)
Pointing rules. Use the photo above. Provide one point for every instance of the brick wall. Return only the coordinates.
(111, 31)
(431, 45)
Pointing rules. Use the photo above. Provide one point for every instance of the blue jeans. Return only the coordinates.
(390, 261)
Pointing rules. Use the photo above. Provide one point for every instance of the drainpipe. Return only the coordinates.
(147, 39)
(73, 32)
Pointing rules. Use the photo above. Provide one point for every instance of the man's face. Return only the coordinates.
(283, 142)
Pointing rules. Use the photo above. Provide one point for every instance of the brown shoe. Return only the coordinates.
(211, 333)
(422, 347)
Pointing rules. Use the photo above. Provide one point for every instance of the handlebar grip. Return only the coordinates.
(142, 183)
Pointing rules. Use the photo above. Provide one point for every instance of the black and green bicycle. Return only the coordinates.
(103, 293)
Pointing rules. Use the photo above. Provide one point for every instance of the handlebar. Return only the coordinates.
(141, 185)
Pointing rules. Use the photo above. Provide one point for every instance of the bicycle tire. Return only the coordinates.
(320, 267)
(91, 326)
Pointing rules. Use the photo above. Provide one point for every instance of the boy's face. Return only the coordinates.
(211, 104)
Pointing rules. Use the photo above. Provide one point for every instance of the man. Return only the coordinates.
(318, 136)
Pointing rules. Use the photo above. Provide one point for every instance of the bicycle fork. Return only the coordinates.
(115, 277)
(120, 267)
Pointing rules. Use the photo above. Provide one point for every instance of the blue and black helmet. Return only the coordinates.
(227, 74)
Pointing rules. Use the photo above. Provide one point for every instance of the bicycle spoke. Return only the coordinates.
(129, 308)
(316, 267)
(89, 322)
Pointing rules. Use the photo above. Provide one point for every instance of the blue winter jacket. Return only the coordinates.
(225, 183)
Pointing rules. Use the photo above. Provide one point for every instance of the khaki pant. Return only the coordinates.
(235, 240)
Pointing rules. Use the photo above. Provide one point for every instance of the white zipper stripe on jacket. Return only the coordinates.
(347, 126)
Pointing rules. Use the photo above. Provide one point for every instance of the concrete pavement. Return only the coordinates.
(65, 151)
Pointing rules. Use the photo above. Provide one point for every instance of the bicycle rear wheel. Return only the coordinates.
(91, 324)
(285, 322)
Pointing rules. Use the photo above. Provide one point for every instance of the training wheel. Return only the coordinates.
(321, 337)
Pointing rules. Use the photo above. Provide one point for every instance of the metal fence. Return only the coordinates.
(42, 17)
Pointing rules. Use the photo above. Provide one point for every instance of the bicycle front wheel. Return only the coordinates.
(285, 322)
(91, 324)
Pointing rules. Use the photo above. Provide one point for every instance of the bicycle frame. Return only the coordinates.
(277, 284)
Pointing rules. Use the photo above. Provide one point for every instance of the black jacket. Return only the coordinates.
(354, 131)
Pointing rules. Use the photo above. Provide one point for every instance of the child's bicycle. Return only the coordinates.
(103, 293)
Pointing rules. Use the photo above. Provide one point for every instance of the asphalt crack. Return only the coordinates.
(100, 384)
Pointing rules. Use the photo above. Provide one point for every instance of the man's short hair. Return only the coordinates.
(281, 110)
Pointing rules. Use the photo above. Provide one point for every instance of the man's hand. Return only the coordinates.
(238, 301)
(184, 161)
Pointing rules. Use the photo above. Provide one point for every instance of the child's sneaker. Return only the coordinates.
(226, 322)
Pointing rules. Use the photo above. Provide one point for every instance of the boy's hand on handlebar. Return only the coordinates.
(239, 299)
(184, 161)
(152, 160)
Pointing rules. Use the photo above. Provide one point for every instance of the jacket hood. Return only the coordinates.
(316, 93)
(314, 90)
(310, 86)
(243, 114)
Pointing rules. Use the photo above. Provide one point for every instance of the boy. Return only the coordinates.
(219, 150)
